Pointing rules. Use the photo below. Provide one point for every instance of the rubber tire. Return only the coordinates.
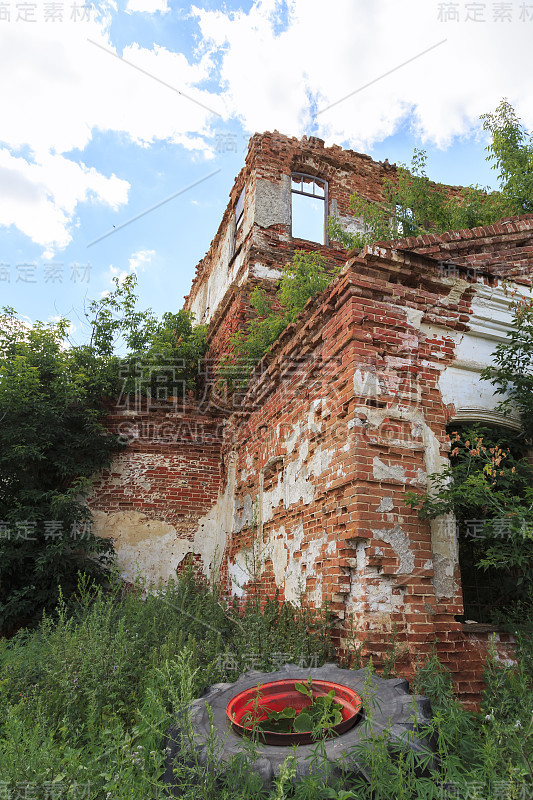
(394, 709)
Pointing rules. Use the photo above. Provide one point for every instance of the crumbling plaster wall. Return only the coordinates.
(350, 411)
(460, 383)
(309, 519)
(158, 500)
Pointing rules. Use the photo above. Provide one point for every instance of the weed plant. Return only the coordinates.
(87, 698)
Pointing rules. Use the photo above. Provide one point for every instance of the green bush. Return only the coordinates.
(88, 696)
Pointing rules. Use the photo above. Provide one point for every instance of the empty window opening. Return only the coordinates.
(309, 203)
(239, 211)
(405, 222)
(239, 219)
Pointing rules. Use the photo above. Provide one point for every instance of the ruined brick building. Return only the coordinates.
(305, 473)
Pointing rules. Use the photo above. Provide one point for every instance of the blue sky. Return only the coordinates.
(88, 142)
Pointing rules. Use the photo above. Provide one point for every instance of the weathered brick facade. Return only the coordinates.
(305, 476)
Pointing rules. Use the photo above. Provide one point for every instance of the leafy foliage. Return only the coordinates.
(304, 277)
(51, 442)
(489, 488)
(53, 400)
(87, 698)
(321, 714)
(162, 355)
(511, 150)
(413, 204)
(511, 371)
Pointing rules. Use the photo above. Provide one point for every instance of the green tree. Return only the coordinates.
(511, 151)
(413, 204)
(160, 356)
(52, 441)
(54, 397)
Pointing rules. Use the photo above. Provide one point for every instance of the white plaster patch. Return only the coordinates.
(214, 528)
(366, 383)
(249, 468)
(279, 556)
(399, 541)
(247, 516)
(239, 571)
(272, 202)
(272, 498)
(458, 287)
(261, 271)
(320, 461)
(421, 478)
(309, 557)
(298, 473)
(387, 472)
(380, 597)
(205, 302)
(143, 546)
(414, 317)
(312, 425)
(386, 504)
(293, 575)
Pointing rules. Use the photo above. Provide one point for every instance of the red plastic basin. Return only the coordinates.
(244, 710)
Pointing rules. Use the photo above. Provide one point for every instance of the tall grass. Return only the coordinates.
(86, 700)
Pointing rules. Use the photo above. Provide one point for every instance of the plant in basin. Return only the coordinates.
(322, 714)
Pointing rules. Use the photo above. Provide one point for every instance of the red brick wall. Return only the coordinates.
(169, 473)
(342, 417)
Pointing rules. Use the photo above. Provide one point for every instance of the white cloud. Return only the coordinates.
(271, 74)
(140, 260)
(272, 79)
(137, 262)
(61, 89)
(39, 197)
(148, 6)
(71, 87)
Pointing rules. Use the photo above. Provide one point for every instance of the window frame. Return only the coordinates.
(239, 215)
(238, 219)
(325, 198)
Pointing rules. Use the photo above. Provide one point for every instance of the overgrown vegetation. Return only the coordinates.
(318, 716)
(304, 277)
(161, 355)
(413, 204)
(488, 487)
(52, 439)
(86, 700)
(51, 442)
